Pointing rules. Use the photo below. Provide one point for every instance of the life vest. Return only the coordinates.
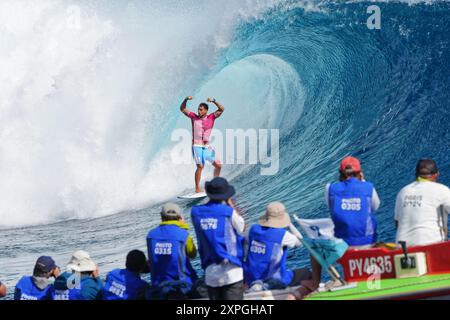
(350, 205)
(266, 257)
(166, 246)
(122, 284)
(218, 241)
(29, 291)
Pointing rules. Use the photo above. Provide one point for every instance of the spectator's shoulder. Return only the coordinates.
(22, 279)
(370, 183)
(440, 189)
(65, 275)
(236, 215)
(61, 281)
(91, 287)
(151, 231)
(406, 188)
(441, 186)
(112, 272)
(98, 282)
(329, 186)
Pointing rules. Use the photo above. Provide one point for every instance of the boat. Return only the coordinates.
(383, 273)
(424, 287)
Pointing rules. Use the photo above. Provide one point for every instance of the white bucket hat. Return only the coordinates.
(81, 262)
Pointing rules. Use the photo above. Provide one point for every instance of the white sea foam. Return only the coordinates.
(89, 94)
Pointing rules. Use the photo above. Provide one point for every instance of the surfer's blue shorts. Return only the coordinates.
(203, 154)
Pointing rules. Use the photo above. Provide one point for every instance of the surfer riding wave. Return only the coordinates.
(202, 125)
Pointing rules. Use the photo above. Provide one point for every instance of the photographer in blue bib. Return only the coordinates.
(170, 248)
(352, 202)
(267, 247)
(38, 286)
(219, 228)
(126, 284)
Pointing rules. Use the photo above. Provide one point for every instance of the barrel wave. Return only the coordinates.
(86, 116)
(381, 95)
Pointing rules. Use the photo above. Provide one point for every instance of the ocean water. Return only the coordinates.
(91, 91)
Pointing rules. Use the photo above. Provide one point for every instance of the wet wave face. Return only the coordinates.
(90, 95)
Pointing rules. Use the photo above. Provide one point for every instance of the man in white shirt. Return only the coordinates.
(422, 207)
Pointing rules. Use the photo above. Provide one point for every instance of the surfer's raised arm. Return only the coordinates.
(220, 108)
(183, 106)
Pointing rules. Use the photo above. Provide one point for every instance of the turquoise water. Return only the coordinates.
(83, 169)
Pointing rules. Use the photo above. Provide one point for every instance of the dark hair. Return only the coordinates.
(204, 105)
(170, 218)
(426, 168)
(344, 175)
(136, 261)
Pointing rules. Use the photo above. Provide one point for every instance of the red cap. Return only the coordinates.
(350, 163)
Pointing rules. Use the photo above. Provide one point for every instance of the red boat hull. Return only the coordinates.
(358, 264)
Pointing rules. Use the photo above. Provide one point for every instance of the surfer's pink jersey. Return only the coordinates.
(201, 128)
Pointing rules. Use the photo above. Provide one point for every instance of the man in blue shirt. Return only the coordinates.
(267, 244)
(38, 286)
(126, 284)
(352, 202)
(170, 248)
(219, 228)
(81, 282)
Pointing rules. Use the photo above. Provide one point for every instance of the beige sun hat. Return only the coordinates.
(276, 216)
(81, 262)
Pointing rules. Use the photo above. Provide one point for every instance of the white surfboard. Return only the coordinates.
(194, 195)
